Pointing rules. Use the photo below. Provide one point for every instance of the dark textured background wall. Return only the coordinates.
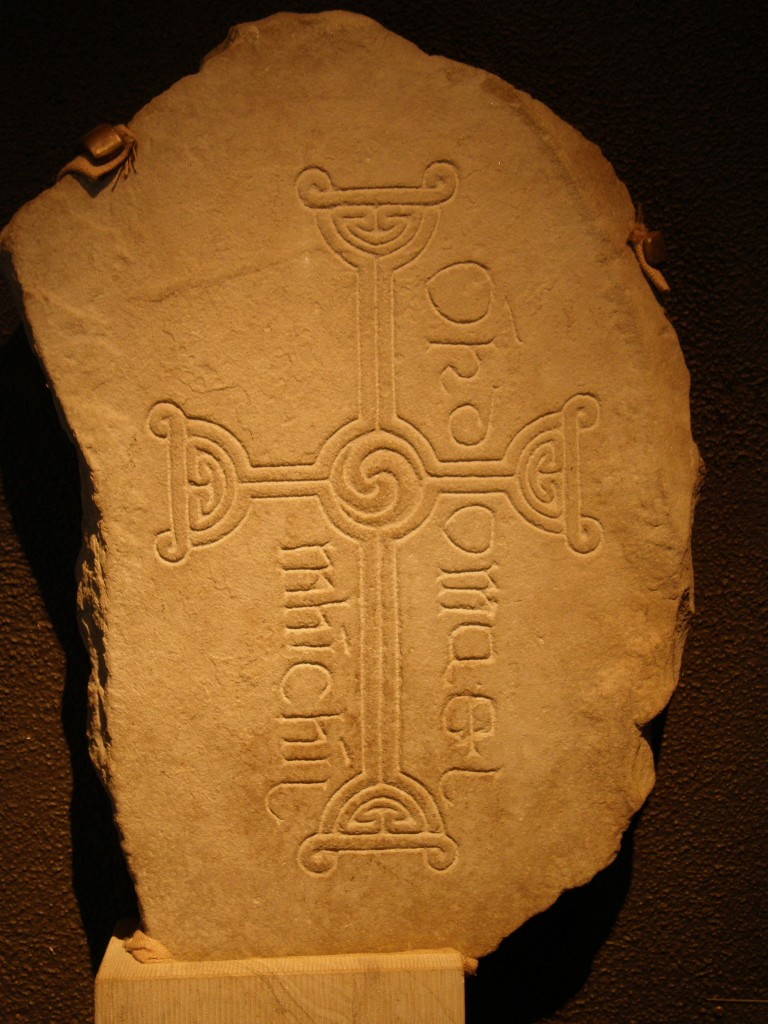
(674, 932)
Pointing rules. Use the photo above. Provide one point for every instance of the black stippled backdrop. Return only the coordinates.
(674, 932)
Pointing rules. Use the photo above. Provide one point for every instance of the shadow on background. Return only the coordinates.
(38, 467)
(546, 962)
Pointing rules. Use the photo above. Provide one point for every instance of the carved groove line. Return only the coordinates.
(377, 479)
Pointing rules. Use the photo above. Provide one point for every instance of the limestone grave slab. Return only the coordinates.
(388, 483)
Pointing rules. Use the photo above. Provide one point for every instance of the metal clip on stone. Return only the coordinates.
(650, 250)
(108, 148)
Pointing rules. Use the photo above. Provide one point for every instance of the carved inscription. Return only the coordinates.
(460, 295)
(313, 627)
(310, 722)
(468, 598)
(377, 479)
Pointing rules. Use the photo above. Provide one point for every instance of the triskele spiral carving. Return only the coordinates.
(377, 480)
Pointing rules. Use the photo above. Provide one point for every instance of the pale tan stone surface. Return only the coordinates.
(389, 480)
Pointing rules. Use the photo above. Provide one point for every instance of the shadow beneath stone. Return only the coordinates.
(547, 961)
(654, 734)
(38, 468)
(101, 881)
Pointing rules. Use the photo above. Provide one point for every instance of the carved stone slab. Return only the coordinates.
(388, 479)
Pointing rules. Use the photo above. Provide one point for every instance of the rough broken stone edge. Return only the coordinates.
(583, 155)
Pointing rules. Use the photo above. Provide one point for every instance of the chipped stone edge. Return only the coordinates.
(92, 586)
(609, 220)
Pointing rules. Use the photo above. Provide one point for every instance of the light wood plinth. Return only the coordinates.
(419, 987)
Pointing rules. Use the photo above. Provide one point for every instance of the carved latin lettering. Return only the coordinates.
(472, 642)
(304, 684)
(468, 590)
(471, 529)
(469, 718)
(377, 480)
(461, 292)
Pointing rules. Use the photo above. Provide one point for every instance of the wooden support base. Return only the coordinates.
(420, 987)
